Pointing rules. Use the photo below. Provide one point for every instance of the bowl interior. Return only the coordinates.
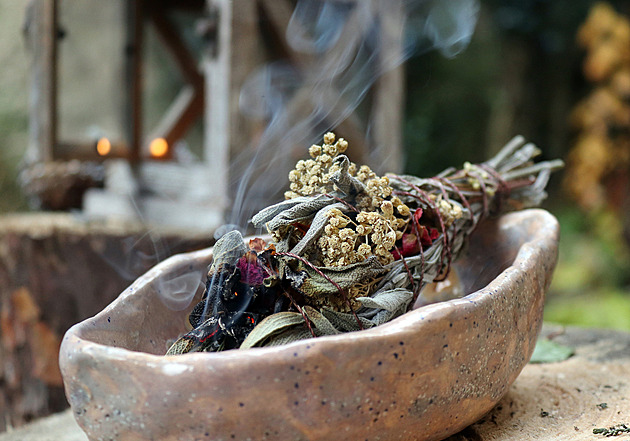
(150, 322)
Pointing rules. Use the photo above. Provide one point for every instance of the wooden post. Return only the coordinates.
(388, 91)
(278, 14)
(133, 78)
(43, 99)
(217, 67)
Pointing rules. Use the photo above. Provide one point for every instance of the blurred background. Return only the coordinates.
(556, 72)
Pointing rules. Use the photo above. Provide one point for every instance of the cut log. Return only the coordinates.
(55, 271)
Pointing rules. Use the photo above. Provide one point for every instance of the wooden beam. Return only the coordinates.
(43, 99)
(188, 105)
(185, 109)
(86, 151)
(176, 47)
(195, 6)
(276, 14)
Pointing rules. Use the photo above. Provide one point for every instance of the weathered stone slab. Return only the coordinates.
(549, 402)
(58, 427)
(568, 399)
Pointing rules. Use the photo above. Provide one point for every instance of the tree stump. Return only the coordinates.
(55, 271)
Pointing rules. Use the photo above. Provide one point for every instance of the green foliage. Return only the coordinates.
(13, 127)
(592, 256)
(448, 104)
(599, 308)
(589, 287)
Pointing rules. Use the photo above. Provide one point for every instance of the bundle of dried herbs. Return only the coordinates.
(351, 250)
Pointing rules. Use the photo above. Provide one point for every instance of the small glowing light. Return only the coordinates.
(103, 147)
(158, 147)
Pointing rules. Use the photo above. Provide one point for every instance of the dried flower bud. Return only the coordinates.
(362, 217)
(330, 150)
(315, 151)
(387, 208)
(330, 230)
(329, 138)
(346, 233)
(362, 230)
(403, 210)
(334, 169)
(294, 176)
(376, 237)
(325, 159)
(323, 242)
(342, 145)
(364, 250)
(381, 251)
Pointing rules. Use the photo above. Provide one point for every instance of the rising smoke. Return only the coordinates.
(339, 50)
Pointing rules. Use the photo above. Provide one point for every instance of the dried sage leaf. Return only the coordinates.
(301, 212)
(228, 249)
(317, 285)
(271, 326)
(317, 227)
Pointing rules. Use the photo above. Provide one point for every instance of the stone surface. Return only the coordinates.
(58, 427)
(599, 372)
(564, 400)
(423, 376)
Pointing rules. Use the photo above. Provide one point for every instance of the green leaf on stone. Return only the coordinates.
(547, 351)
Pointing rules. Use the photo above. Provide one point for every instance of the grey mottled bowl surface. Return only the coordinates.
(423, 376)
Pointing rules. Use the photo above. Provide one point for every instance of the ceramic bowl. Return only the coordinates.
(422, 376)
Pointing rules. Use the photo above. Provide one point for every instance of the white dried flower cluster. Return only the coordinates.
(312, 176)
(475, 174)
(450, 211)
(377, 189)
(351, 237)
(371, 233)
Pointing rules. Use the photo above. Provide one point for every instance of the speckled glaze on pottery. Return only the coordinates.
(423, 376)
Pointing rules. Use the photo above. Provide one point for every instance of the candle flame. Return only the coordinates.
(158, 147)
(103, 147)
